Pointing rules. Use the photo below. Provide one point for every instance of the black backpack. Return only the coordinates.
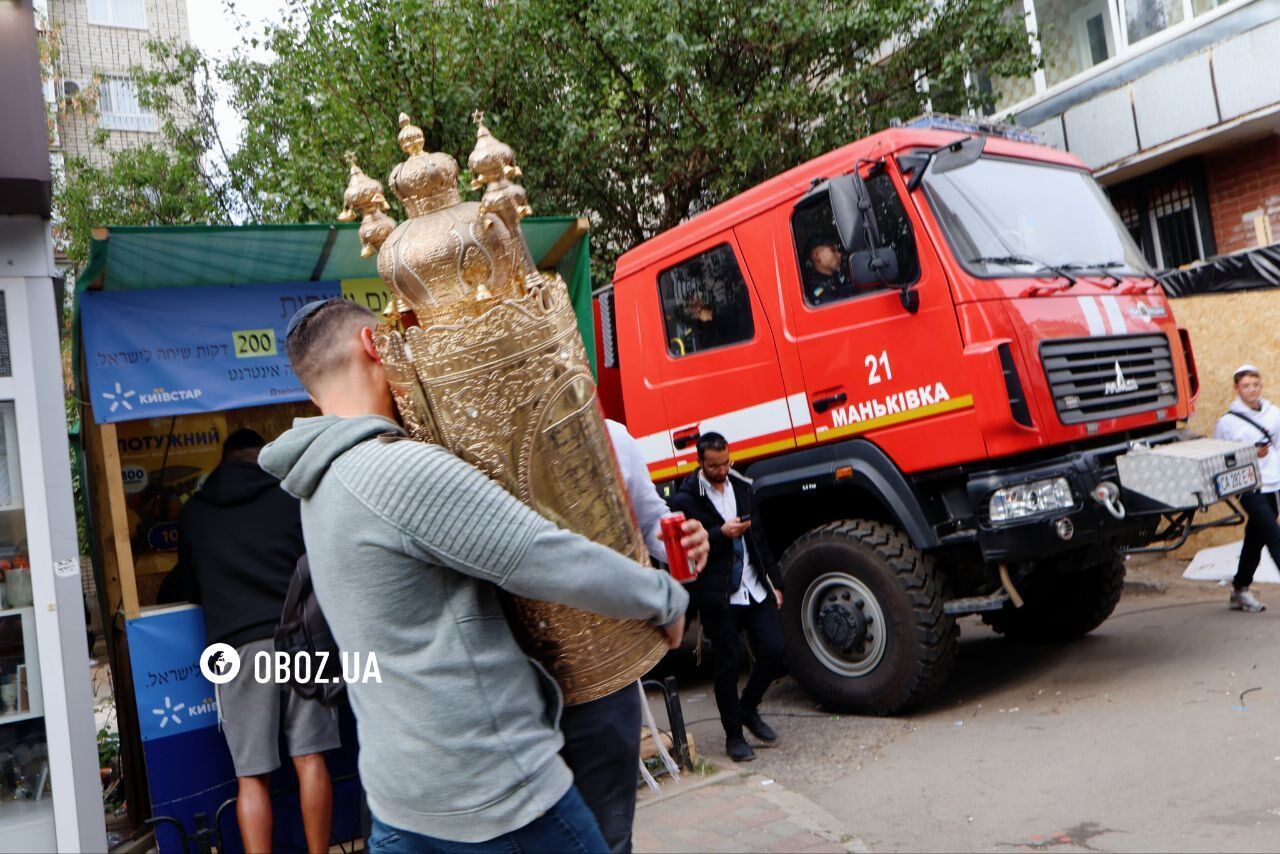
(303, 628)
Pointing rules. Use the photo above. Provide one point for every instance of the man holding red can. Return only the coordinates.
(733, 594)
(602, 737)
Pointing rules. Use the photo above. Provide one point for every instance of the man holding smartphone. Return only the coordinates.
(1251, 418)
(734, 593)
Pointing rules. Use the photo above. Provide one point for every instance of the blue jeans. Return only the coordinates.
(567, 827)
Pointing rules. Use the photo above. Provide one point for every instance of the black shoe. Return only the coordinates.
(761, 730)
(738, 749)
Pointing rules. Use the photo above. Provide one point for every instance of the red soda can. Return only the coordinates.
(677, 558)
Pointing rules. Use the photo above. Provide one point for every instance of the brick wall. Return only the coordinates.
(1242, 183)
(92, 48)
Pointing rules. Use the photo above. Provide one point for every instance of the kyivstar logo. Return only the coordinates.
(120, 398)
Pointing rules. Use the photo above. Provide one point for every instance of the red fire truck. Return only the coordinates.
(928, 349)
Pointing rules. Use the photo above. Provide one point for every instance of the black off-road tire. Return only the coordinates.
(1062, 606)
(919, 641)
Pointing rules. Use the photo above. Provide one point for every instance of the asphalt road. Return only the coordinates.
(1158, 732)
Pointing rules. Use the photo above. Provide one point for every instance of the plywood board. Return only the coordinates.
(1228, 330)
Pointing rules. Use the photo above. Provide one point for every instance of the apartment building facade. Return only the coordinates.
(1176, 106)
(99, 41)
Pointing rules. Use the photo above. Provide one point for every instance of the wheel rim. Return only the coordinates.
(847, 637)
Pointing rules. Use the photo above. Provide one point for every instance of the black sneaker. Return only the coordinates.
(738, 749)
(761, 730)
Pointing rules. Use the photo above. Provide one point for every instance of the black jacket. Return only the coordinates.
(711, 588)
(239, 539)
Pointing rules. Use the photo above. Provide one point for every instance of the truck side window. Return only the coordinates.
(824, 268)
(705, 303)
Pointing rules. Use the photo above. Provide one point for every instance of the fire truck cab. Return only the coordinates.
(927, 349)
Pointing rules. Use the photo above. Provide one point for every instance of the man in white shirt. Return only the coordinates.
(734, 593)
(1251, 418)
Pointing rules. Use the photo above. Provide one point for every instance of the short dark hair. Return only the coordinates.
(820, 239)
(242, 440)
(711, 442)
(314, 342)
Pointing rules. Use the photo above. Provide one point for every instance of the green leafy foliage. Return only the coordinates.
(640, 113)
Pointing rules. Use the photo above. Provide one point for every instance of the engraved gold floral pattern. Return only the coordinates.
(484, 357)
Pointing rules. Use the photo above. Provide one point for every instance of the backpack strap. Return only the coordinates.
(1255, 424)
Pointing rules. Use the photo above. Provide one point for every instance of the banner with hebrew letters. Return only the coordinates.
(176, 351)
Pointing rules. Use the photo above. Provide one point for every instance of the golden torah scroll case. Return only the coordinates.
(484, 358)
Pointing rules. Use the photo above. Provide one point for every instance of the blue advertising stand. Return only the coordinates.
(189, 768)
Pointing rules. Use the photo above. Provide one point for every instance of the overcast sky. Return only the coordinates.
(213, 31)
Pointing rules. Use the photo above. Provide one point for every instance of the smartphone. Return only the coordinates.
(744, 517)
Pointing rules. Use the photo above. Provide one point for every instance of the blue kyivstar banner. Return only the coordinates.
(189, 768)
(173, 695)
(162, 352)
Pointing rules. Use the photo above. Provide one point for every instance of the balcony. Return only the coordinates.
(1129, 85)
(143, 122)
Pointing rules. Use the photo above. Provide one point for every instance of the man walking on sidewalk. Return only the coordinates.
(1251, 418)
(733, 594)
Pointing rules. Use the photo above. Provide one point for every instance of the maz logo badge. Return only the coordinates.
(1120, 384)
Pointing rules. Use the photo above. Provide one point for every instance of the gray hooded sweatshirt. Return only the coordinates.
(408, 547)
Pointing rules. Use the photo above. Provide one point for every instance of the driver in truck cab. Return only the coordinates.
(826, 276)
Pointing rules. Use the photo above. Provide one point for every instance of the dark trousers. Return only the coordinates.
(602, 749)
(724, 627)
(1262, 529)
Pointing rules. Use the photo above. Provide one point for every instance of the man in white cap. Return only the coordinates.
(1251, 418)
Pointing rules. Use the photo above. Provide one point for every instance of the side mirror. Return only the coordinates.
(873, 265)
(845, 208)
(881, 265)
(959, 154)
(910, 299)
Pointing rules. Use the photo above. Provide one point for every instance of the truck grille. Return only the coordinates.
(1095, 378)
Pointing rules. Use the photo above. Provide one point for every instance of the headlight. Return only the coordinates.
(1030, 499)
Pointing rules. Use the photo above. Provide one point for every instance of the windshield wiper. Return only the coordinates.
(1057, 270)
(1103, 269)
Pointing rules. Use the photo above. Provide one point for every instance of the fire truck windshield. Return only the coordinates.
(1006, 218)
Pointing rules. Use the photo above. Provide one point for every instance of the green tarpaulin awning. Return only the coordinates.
(189, 256)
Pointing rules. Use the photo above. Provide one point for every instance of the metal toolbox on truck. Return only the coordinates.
(1190, 474)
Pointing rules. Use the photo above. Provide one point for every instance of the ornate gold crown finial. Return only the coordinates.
(410, 137)
(364, 198)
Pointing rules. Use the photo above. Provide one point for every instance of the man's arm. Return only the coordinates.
(645, 501)
(459, 518)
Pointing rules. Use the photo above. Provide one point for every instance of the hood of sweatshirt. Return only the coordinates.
(302, 454)
(234, 484)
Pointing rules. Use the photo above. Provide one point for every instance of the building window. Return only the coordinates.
(1145, 18)
(1174, 225)
(1167, 213)
(119, 109)
(118, 13)
(1074, 36)
(705, 303)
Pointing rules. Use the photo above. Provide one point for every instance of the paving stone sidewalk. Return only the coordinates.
(736, 812)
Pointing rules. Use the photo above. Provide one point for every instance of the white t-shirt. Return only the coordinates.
(1236, 429)
(726, 504)
(645, 500)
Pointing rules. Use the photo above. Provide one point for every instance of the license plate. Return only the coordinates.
(1236, 480)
